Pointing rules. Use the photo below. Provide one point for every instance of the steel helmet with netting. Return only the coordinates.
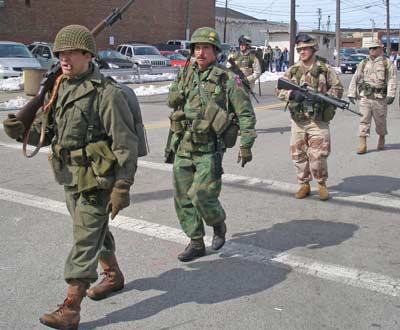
(74, 37)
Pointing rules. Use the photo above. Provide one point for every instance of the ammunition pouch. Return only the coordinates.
(370, 90)
(200, 131)
(230, 135)
(217, 117)
(328, 113)
(178, 123)
(175, 99)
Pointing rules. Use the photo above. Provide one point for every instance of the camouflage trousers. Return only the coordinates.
(372, 108)
(197, 185)
(92, 237)
(310, 147)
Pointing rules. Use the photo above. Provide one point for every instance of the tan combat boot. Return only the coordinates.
(67, 316)
(362, 149)
(323, 191)
(381, 142)
(112, 281)
(303, 191)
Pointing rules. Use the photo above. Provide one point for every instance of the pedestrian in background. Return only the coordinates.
(374, 85)
(310, 143)
(94, 152)
(277, 57)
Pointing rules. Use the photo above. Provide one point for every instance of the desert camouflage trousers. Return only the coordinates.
(376, 108)
(197, 185)
(92, 237)
(310, 147)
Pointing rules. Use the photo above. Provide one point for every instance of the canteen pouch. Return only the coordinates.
(177, 119)
(230, 135)
(217, 116)
(200, 129)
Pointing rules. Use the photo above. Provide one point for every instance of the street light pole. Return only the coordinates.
(226, 14)
(387, 28)
(292, 33)
(337, 33)
(373, 27)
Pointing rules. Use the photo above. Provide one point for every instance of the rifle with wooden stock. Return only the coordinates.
(28, 113)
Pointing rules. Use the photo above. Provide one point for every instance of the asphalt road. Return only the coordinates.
(288, 264)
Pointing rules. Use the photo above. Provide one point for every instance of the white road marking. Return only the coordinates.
(340, 274)
(273, 185)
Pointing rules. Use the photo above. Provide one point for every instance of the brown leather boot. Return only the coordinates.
(303, 191)
(381, 142)
(323, 191)
(67, 316)
(362, 149)
(112, 281)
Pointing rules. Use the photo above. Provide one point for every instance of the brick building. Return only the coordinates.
(150, 21)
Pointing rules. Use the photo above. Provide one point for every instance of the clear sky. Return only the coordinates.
(354, 13)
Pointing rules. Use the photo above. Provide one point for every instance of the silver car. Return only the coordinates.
(43, 51)
(14, 57)
(143, 55)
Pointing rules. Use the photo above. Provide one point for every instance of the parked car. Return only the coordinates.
(111, 59)
(43, 51)
(176, 59)
(350, 64)
(143, 55)
(14, 57)
(184, 52)
(182, 44)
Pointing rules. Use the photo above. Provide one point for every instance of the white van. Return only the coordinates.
(183, 44)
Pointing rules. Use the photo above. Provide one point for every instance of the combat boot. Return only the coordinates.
(303, 191)
(195, 249)
(323, 191)
(362, 149)
(218, 240)
(67, 316)
(113, 279)
(381, 142)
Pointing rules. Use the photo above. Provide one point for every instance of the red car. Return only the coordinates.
(176, 59)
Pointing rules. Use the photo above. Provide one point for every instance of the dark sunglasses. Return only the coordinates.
(373, 47)
(303, 38)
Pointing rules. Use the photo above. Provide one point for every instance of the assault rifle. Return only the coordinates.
(28, 113)
(234, 67)
(312, 96)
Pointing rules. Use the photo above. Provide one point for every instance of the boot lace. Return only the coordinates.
(64, 306)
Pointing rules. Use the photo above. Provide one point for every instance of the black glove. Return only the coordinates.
(389, 99)
(13, 127)
(244, 155)
(296, 96)
(352, 99)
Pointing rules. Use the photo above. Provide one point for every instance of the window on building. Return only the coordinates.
(2, 3)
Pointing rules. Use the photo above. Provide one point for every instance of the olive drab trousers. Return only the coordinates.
(376, 108)
(197, 185)
(92, 238)
(310, 147)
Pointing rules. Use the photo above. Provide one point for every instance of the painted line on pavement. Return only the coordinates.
(272, 185)
(270, 106)
(336, 273)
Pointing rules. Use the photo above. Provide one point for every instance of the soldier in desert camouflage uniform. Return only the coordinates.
(374, 84)
(209, 105)
(310, 143)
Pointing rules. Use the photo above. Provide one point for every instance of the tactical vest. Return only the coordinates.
(367, 88)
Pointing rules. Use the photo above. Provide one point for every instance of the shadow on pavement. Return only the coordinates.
(215, 281)
(365, 184)
(273, 130)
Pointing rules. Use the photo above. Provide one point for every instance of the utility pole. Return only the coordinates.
(226, 14)
(373, 27)
(187, 20)
(387, 28)
(319, 11)
(337, 30)
(292, 33)
(328, 24)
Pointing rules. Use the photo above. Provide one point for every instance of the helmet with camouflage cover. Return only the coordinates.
(373, 43)
(304, 40)
(74, 37)
(205, 35)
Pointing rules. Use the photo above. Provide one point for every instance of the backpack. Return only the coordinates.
(140, 130)
(257, 53)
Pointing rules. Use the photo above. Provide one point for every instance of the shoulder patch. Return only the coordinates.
(237, 80)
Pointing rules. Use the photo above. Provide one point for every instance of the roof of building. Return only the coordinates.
(220, 12)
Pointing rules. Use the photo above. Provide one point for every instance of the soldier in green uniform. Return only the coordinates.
(210, 105)
(94, 156)
(310, 143)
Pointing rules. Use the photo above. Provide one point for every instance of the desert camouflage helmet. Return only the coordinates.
(304, 40)
(374, 43)
(74, 37)
(205, 35)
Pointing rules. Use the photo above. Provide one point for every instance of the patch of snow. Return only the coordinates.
(151, 90)
(14, 104)
(11, 84)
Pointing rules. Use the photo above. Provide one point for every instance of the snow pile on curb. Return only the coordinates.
(270, 76)
(14, 104)
(11, 84)
(151, 90)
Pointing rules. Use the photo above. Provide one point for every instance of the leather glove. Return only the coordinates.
(352, 99)
(296, 96)
(119, 198)
(389, 99)
(13, 127)
(244, 155)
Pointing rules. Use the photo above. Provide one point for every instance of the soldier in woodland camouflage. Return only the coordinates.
(94, 152)
(374, 84)
(310, 143)
(209, 105)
